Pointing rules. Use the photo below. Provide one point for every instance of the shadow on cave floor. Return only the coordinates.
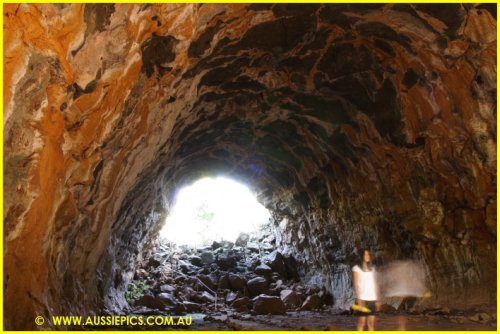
(249, 285)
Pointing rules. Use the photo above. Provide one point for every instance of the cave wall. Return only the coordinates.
(357, 125)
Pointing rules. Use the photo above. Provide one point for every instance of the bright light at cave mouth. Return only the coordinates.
(213, 209)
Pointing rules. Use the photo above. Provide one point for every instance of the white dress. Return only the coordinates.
(366, 284)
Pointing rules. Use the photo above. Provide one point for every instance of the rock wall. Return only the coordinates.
(358, 125)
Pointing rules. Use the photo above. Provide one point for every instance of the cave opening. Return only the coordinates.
(213, 209)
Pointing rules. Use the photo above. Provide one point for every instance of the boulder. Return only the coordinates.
(290, 298)
(167, 288)
(186, 267)
(263, 269)
(312, 302)
(242, 304)
(196, 260)
(150, 302)
(386, 308)
(484, 317)
(203, 297)
(257, 286)
(216, 245)
(269, 239)
(253, 247)
(192, 307)
(143, 310)
(264, 304)
(207, 257)
(242, 240)
(227, 244)
(267, 246)
(236, 282)
(275, 277)
(167, 298)
(312, 289)
(231, 297)
(179, 308)
(326, 297)
(207, 281)
(275, 261)
(224, 282)
(226, 260)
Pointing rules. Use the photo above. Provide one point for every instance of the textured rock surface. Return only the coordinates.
(358, 125)
(264, 304)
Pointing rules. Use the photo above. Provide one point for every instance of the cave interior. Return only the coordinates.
(356, 125)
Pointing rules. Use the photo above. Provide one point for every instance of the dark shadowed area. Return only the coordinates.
(356, 125)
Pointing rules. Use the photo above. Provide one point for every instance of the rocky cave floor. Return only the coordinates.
(249, 285)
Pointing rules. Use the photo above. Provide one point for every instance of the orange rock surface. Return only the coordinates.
(356, 124)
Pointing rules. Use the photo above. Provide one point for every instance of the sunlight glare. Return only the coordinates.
(213, 209)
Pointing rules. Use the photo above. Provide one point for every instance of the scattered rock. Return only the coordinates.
(231, 297)
(312, 302)
(242, 240)
(143, 310)
(207, 281)
(242, 304)
(192, 307)
(264, 304)
(167, 298)
(186, 267)
(312, 289)
(150, 302)
(474, 318)
(226, 260)
(207, 257)
(290, 298)
(203, 297)
(266, 246)
(263, 269)
(190, 280)
(224, 282)
(275, 261)
(253, 247)
(216, 245)
(457, 319)
(257, 286)
(179, 308)
(196, 260)
(167, 288)
(236, 282)
(386, 308)
(326, 297)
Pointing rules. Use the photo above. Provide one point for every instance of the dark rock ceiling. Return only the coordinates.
(357, 125)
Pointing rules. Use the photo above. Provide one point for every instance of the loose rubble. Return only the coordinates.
(249, 275)
(237, 285)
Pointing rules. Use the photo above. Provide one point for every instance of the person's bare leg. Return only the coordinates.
(371, 322)
(361, 323)
(401, 323)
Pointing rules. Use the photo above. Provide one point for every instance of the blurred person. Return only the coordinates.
(405, 280)
(366, 289)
